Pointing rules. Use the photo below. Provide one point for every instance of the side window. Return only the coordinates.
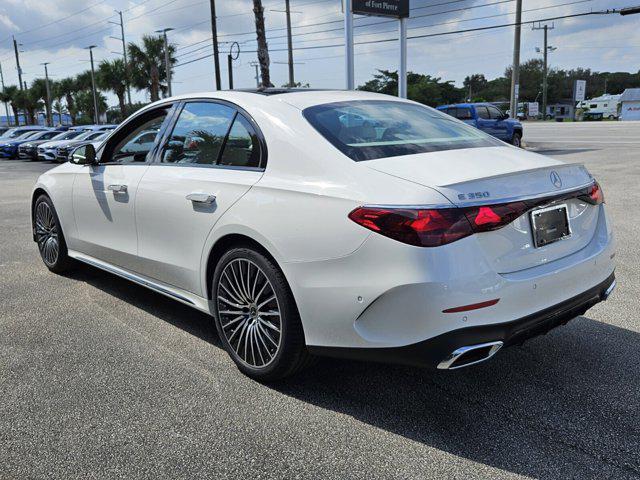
(450, 111)
(199, 134)
(242, 148)
(127, 149)
(463, 114)
(482, 112)
(494, 113)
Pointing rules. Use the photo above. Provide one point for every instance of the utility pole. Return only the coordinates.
(167, 65)
(289, 44)
(348, 44)
(216, 53)
(545, 67)
(15, 49)
(6, 107)
(96, 116)
(255, 65)
(124, 55)
(46, 81)
(515, 68)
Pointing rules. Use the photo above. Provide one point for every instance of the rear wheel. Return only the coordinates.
(516, 140)
(256, 316)
(48, 234)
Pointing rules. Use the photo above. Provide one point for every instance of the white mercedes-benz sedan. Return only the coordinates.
(338, 223)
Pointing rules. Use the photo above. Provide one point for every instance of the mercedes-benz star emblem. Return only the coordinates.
(555, 179)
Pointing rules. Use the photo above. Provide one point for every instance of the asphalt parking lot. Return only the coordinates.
(100, 378)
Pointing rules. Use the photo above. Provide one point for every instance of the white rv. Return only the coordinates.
(606, 104)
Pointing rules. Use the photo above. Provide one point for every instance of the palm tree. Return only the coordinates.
(84, 101)
(29, 102)
(147, 65)
(67, 87)
(39, 90)
(263, 48)
(6, 96)
(111, 76)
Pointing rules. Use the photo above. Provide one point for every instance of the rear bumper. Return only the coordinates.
(431, 352)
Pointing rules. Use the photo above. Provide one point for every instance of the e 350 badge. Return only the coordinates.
(473, 195)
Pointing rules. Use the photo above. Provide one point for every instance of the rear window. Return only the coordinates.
(370, 129)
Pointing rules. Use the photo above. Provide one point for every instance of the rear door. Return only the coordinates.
(485, 122)
(211, 158)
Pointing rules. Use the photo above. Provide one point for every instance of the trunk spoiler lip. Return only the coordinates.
(560, 166)
(551, 196)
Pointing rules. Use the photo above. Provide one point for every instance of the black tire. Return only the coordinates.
(271, 362)
(516, 140)
(48, 234)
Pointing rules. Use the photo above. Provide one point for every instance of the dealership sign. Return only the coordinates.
(385, 8)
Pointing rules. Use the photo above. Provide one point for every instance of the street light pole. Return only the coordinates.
(124, 55)
(46, 82)
(96, 116)
(545, 66)
(167, 65)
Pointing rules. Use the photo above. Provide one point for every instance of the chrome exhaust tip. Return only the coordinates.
(470, 355)
(607, 293)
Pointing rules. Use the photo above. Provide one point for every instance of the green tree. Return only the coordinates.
(111, 76)
(67, 89)
(84, 102)
(147, 65)
(8, 95)
(474, 84)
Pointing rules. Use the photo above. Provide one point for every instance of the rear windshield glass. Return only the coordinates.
(370, 129)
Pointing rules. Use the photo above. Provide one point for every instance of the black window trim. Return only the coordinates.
(157, 161)
(172, 104)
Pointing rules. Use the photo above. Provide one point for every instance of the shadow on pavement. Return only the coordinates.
(565, 405)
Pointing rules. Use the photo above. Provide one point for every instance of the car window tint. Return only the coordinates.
(494, 113)
(482, 112)
(128, 149)
(242, 148)
(463, 114)
(370, 129)
(199, 133)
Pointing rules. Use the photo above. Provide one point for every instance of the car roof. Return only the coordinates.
(467, 105)
(299, 98)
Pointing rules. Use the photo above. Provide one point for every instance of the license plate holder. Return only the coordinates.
(550, 224)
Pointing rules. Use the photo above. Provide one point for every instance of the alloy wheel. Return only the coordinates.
(249, 313)
(47, 234)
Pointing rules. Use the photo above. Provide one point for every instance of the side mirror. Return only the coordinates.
(504, 116)
(84, 155)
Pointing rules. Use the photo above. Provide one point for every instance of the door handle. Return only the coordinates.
(205, 198)
(118, 188)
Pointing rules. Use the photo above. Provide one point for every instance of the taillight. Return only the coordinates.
(419, 227)
(595, 195)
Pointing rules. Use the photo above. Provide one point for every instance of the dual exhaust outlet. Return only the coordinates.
(472, 354)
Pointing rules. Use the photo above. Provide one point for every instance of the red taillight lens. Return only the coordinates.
(492, 217)
(419, 227)
(595, 195)
(435, 227)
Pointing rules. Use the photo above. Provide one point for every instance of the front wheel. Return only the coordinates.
(48, 235)
(256, 316)
(516, 140)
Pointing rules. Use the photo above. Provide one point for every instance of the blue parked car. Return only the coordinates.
(9, 146)
(487, 118)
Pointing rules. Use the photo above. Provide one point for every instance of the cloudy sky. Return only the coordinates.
(57, 32)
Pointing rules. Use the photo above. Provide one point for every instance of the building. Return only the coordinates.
(561, 110)
(630, 104)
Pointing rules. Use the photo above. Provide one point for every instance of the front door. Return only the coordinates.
(501, 127)
(211, 159)
(104, 195)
